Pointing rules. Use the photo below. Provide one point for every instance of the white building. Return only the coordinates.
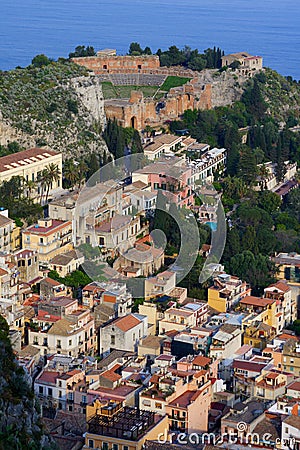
(123, 333)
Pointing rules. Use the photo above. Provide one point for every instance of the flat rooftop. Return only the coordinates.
(127, 423)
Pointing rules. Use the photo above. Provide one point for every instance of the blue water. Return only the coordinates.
(212, 225)
(266, 27)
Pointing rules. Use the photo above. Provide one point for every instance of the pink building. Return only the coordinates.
(171, 175)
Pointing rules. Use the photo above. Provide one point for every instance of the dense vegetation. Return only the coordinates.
(121, 140)
(41, 101)
(187, 57)
(13, 197)
(81, 51)
(20, 424)
(260, 224)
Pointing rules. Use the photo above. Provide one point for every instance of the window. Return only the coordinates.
(115, 447)
(59, 394)
(91, 443)
(70, 342)
(158, 405)
(41, 390)
(113, 340)
(104, 446)
(125, 447)
(50, 392)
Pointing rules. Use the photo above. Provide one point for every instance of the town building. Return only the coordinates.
(123, 333)
(140, 260)
(66, 263)
(226, 292)
(226, 341)
(122, 427)
(29, 165)
(49, 237)
(10, 238)
(72, 335)
(27, 262)
(169, 174)
(164, 144)
(248, 63)
(161, 284)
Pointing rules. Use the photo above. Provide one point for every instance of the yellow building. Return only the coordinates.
(226, 292)
(258, 334)
(9, 234)
(114, 426)
(29, 165)
(49, 237)
(260, 310)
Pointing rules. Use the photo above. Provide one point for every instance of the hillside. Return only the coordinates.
(20, 423)
(282, 95)
(59, 104)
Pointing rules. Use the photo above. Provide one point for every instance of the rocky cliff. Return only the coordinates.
(60, 105)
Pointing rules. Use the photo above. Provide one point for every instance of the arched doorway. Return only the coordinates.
(133, 122)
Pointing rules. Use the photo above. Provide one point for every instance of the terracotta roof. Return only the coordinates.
(184, 400)
(63, 328)
(281, 286)
(3, 272)
(48, 377)
(111, 374)
(256, 301)
(55, 226)
(248, 365)
(295, 386)
(201, 361)
(51, 281)
(22, 159)
(287, 336)
(127, 322)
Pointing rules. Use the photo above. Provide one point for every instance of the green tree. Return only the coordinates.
(269, 201)
(135, 49)
(40, 61)
(52, 174)
(258, 270)
(247, 166)
(70, 172)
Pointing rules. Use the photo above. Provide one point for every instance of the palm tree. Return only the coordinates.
(42, 180)
(29, 186)
(52, 175)
(82, 171)
(70, 172)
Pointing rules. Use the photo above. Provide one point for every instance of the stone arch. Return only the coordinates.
(133, 122)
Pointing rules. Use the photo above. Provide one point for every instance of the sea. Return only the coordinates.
(270, 28)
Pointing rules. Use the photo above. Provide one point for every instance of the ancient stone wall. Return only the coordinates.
(138, 111)
(117, 64)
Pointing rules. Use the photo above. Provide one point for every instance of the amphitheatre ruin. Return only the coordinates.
(140, 105)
